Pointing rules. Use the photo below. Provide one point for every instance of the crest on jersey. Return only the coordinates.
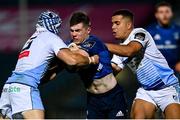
(157, 37)
(139, 36)
(176, 35)
(89, 44)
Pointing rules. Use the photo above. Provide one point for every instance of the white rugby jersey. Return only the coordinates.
(149, 64)
(35, 57)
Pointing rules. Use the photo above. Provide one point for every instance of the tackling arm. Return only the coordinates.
(75, 59)
(125, 50)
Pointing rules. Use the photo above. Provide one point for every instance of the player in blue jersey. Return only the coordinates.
(166, 34)
(105, 98)
(158, 85)
(20, 97)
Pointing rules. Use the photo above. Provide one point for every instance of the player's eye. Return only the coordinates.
(71, 30)
(77, 30)
(117, 23)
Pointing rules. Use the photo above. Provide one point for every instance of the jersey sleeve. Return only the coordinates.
(118, 61)
(140, 36)
(57, 44)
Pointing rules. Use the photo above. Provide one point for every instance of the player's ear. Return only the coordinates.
(156, 15)
(129, 25)
(89, 30)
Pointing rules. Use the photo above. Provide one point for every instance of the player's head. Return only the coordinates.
(50, 20)
(163, 13)
(79, 26)
(122, 24)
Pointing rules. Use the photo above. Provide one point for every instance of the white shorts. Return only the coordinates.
(161, 98)
(17, 98)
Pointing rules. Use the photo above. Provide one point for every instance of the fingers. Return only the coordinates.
(73, 47)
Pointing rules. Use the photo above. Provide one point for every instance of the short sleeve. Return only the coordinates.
(118, 61)
(140, 36)
(57, 44)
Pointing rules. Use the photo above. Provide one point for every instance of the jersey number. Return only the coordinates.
(25, 52)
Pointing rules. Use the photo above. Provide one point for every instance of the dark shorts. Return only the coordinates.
(111, 104)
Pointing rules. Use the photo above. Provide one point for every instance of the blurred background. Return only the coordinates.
(65, 97)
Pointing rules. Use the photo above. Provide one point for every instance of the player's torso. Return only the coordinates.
(33, 60)
(167, 41)
(94, 46)
(150, 66)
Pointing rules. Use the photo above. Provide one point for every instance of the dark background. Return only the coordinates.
(65, 97)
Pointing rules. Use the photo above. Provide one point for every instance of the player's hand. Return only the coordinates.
(177, 67)
(73, 47)
(94, 59)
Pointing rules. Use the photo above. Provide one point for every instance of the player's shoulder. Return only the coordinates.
(93, 41)
(139, 30)
(94, 38)
(152, 26)
(49, 36)
(176, 26)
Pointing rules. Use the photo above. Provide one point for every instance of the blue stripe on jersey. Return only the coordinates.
(147, 74)
(29, 77)
(154, 76)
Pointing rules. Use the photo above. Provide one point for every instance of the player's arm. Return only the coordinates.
(76, 59)
(116, 68)
(125, 50)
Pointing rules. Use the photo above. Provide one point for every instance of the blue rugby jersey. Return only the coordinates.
(94, 46)
(167, 40)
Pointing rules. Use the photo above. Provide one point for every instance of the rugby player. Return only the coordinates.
(105, 97)
(166, 34)
(158, 85)
(20, 98)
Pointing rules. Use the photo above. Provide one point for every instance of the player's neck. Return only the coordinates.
(127, 34)
(168, 25)
(81, 41)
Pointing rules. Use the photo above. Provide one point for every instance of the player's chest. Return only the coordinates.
(166, 37)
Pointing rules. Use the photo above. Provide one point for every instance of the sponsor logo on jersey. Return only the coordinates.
(23, 54)
(89, 44)
(176, 36)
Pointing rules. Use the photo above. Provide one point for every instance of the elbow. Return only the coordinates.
(129, 54)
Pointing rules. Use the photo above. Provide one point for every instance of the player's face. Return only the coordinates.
(120, 26)
(164, 15)
(79, 32)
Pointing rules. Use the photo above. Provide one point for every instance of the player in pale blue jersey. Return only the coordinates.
(158, 85)
(166, 34)
(20, 97)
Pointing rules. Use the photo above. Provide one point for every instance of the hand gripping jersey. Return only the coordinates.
(94, 46)
(167, 40)
(149, 64)
(35, 57)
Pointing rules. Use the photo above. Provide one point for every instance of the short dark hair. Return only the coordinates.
(162, 4)
(124, 13)
(79, 17)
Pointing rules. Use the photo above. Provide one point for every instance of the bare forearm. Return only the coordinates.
(120, 50)
(80, 60)
(84, 60)
(125, 50)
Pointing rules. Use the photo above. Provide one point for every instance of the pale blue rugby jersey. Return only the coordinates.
(149, 64)
(35, 57)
